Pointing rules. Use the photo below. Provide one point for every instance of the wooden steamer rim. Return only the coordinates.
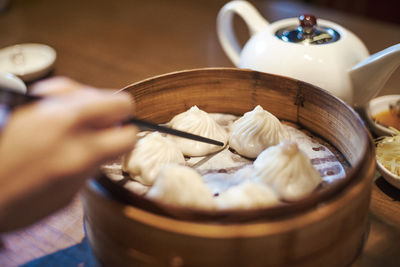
(220, 224)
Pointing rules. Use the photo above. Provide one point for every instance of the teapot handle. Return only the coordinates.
(254, 21)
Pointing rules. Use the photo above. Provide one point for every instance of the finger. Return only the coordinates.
(103, 109)
(88, 108)
(109, 143)
(86, 151)
(55, 86)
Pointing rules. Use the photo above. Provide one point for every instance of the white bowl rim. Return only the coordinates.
(373, 108)
(390, 177)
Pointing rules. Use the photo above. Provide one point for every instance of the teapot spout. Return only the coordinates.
(370, 75)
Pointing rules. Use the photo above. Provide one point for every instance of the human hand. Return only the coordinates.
(49, 148)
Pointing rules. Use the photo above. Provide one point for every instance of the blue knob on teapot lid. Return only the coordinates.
(308, 32)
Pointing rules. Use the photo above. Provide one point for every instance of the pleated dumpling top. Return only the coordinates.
(150, 154)
(287, 170)
(199, 122)
(255, 131)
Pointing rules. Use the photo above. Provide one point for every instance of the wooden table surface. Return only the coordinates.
(115, 43)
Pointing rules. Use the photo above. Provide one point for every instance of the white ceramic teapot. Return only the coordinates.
(323, 54)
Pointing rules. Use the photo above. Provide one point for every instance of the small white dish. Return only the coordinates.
(12, 82)
(28, 61)
(375, 106)
(387, 175)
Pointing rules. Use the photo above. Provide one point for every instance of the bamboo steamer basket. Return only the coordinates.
(326, 228)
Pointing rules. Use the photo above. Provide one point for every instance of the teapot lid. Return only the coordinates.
(308, 32)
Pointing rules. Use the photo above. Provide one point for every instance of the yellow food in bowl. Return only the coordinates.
(388, 152)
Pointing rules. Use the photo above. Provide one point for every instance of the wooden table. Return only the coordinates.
(115, 43)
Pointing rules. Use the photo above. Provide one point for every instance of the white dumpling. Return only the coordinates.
(255, 131)
(181, 186)
(197, 122)
(287, 170)
(150, 154)
(247, 195)
(137, 187)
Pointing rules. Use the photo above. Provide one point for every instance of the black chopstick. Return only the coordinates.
(11, 99)
(146, 125)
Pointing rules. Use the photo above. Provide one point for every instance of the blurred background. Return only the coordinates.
(134, 39)
(384, 10)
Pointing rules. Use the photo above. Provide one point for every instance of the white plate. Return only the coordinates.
(375, 106)
(28, 61)
(387, 175)
(11, 82)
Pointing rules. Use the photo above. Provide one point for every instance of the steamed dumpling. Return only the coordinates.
(150, 154)
(247, 195)
(287, 170)
(255, 131)
(181, 186)
(197, 122)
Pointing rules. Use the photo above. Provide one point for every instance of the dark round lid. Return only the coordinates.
(308, 32)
